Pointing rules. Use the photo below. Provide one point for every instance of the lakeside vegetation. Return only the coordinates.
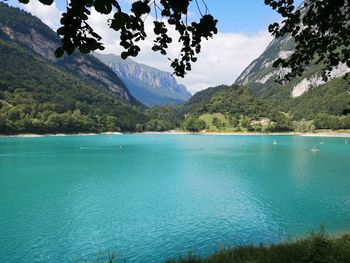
(33, 103)
(237, 109)
(315, 248)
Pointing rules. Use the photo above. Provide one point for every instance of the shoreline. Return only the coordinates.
(330, 134)
(321, 133)
(35, 135)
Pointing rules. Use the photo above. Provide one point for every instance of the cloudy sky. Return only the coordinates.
(242, 37)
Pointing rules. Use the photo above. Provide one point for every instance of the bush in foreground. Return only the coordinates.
(316, 248)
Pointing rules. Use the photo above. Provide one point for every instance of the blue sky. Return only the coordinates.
(234, 15)
(242, 37)
(246, 15)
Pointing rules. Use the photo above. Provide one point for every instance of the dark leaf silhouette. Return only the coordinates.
(76, 33)
(321, 31)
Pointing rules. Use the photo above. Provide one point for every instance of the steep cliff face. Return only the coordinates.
(261, 76)
(147, 84)
(30, 33)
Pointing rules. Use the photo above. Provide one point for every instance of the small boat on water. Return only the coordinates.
(314, 149)
(274, 142)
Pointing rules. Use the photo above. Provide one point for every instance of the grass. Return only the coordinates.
(316, 248)
(334, 131)
(208, 118)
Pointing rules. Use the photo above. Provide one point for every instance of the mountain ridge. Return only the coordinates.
(256, 101)
(42, 94)
(40, 39)
(261, 76)
(151, 86)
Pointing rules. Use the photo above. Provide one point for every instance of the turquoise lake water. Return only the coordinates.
(152, 197)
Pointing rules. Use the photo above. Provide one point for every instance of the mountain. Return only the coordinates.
(305, 96)
(149, 85)
(31, 34)
(199, 99)
(256, 98)
(41, 94)
(261, 76)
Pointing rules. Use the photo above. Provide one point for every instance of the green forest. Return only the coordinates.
(39, 95)
(51, 100)
(317, 247)
(239, 109)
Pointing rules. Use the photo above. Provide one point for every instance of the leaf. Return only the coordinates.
(69, 48)
(124, 55)
(348, 63)
(84, 49)
(46, 2)
(119, 20)
(140, 8)
(103, 6)
(59, 52)
(61, 31)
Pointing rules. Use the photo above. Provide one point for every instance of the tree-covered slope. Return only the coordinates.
(149, 85)
(303, 103)
(231, 108)
(40, 94)
(30, 33)
(199, 99)
(325, 107)
(39, 97)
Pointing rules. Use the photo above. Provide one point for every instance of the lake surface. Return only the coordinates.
(152, 197)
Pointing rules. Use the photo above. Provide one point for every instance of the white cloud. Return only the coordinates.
(224, 58)
(221, 61)
(50, 15)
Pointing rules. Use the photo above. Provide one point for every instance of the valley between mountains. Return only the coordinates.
(103, 93)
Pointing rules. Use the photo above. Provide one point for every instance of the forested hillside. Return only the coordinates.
(258, 102)
(238, 108)
(21, 28)
(37, 96)
(77, 93)
(40, 94)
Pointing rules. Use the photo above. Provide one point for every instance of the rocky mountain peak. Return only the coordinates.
(147, 84)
